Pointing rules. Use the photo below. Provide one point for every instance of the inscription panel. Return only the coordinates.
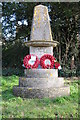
(39, 51)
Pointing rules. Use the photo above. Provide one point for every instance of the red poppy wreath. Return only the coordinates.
(31, 61)
(47, 61)
(57, 65)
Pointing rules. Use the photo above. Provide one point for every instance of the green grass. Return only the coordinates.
(16, 107)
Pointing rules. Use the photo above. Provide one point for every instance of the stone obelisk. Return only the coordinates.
(41, 82)
(41, 38)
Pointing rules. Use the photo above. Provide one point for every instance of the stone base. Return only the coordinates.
(41, 73)
(41, 82)
(51, 92)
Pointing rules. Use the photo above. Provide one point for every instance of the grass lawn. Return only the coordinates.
(16, 107)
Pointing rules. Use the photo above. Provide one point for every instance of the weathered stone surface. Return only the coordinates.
(41, 25)
(41, 73)
(41, 38)
(41, 82)
(42, 43)
(41, 93)
(40, 51)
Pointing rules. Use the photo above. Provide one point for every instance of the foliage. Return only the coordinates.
(65, 28)
(68, 73)
(12, 71)
(64, 19)
(13, 55)
(16, 107)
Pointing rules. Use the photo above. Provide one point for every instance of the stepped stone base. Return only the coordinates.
(41, 73)
(40, 83)
(27, 92)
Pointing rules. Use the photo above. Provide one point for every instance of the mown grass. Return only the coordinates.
(16, 107)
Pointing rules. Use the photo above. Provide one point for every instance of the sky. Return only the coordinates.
(7, 31)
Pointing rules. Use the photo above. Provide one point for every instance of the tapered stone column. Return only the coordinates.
(41, 38)
(41, 82)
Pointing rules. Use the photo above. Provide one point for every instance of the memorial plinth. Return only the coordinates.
(41, 82)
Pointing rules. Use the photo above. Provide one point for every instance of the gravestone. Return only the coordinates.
(41, 82)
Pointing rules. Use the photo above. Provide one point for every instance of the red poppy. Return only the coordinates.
(56, 65)
(27, 64)
(47, 57)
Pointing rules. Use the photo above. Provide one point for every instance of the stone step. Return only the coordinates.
(27, 92)
(41, 73)
(41, 82)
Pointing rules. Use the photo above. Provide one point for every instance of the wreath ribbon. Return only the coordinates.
(45, 57)
(27, 61)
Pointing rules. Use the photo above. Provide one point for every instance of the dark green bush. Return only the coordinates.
(12, 71)
(69, 73)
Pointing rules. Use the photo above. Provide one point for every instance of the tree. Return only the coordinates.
(64, 24)
(65, 27)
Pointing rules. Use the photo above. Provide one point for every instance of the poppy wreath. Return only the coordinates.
(57, 65)
(27, 64)
(47, 57)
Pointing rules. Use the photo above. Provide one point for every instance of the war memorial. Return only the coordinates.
(40, 76)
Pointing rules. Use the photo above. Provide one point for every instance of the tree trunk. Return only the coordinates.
(66, 52)
(59, 53)
(72, 62)
(59, 47)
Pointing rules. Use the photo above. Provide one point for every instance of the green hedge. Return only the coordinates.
(12, 71)
(69, 73)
